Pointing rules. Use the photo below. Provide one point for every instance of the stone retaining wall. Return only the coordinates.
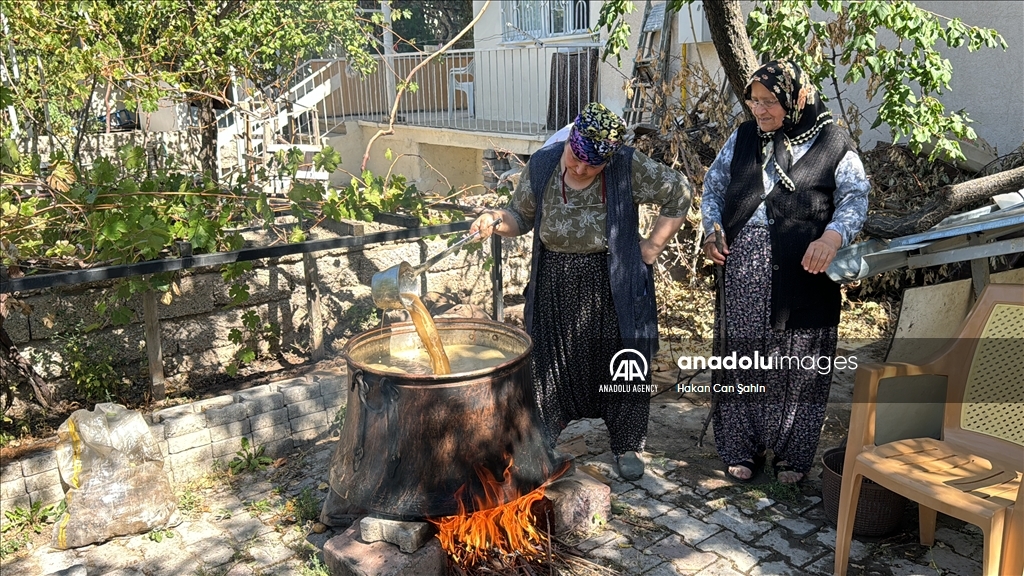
(280, 417)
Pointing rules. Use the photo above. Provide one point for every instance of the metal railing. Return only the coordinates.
(537, 19)
(529, 90)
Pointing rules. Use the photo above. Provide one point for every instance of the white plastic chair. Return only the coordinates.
(461, 79)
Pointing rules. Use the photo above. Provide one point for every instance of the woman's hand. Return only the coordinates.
(711, 250)
(820, 253)
(649, 252)
(484, 223)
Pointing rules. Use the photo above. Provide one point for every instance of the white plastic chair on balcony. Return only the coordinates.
(461, 79)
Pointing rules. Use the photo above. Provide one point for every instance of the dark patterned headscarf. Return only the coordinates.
(596, 134)
(787, 82)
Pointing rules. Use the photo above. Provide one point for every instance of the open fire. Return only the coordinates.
(501, 527)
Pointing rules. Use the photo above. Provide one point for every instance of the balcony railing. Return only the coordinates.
(528, 91)
(537, 19)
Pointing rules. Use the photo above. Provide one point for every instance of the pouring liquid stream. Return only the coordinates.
(427, 331)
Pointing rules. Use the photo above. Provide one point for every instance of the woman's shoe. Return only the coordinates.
(753, 465)
(631, 467)
(779, 466)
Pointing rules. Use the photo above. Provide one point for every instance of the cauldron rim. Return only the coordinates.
(433, 380)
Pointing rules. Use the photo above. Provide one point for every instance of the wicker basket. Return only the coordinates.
(879, 510)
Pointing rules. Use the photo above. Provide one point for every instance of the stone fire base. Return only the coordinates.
(348, 555)
(579, 503)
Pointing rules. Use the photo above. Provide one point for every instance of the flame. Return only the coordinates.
(501, 523)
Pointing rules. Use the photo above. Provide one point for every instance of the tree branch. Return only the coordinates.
(398, 97)
(945, 201)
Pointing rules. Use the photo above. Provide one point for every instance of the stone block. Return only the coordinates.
(213, 403)
(184, 424)
(188, 441)
(10, 471)
(38, 463)
(226, 415)
(741, 554)
(745, 528)
(157, 430)
(310, 434)
(172, 412)
(347, 555)
(408, 536)
(334, 402)
(314, 420)
(333, 385)
(580, 502)
(280, 448)
(47, 496)
(685, 559)
(300, 393)
(190, 464)
(305, 408)
(792, 549)
(42, 481)
(260, 400)
(277, 386)
(19, 501)
(269, 419)
(230, 431)
(13, 489)
(691, 529)
(272, 434)
(225, 449)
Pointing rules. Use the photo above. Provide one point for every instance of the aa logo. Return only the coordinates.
(628, 365)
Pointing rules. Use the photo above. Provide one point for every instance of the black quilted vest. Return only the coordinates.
(795, 219)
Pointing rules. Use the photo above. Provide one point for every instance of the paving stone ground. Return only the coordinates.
(684, 517)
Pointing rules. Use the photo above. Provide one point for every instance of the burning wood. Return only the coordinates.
(500, 531)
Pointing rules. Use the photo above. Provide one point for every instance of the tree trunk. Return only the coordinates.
(945, 201)
(15, 368)
(729, 33)
(208, 138)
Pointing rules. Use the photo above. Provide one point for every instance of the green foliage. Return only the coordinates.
(191, 502)
(249, 459)
(34, 518)
(315, 567)
(257, 507)
(177, 49)
(908, 75)
(159, 534)
(88, 363)
(305, 506)
(612, 19)
(12, 544)
(430, 22)
(254, 331)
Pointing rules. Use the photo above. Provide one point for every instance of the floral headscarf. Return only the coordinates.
(597, 133)
(787, 82)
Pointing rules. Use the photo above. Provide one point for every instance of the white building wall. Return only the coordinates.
(988, 83)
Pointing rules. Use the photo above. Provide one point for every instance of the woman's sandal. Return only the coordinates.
(753, 465)
(779, 466)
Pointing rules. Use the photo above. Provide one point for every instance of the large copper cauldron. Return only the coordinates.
(410, 442)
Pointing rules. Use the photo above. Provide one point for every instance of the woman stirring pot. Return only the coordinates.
(591, 291)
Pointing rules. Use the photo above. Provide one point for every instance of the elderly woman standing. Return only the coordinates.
(788, 190)
(591, 290)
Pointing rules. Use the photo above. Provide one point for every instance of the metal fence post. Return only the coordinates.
(497, 295)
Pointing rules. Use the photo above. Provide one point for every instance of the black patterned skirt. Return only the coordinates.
(782, 408)
(575, 334)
